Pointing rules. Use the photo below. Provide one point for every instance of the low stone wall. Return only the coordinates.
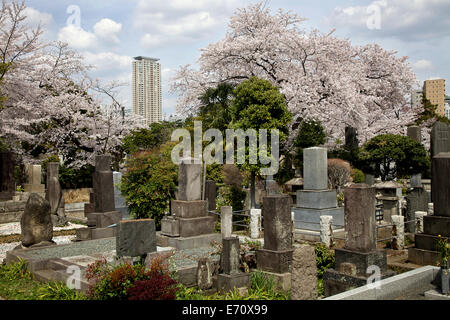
(11, 211)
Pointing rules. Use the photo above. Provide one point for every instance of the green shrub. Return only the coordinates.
(358, 176)
(324, 259)
(149, 183)
(59, 291)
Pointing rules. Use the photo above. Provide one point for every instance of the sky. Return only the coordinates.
(109, 33)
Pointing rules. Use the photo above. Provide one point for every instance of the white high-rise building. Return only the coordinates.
(147, 97)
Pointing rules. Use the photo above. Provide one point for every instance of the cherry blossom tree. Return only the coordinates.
(52, 105)
(321, 76)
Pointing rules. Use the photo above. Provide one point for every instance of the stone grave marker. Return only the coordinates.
(135, 238)
(231, 276)
(34, 177)
(304, 273)
(54, 194)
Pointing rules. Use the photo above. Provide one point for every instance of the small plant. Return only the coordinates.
(443, 246)
(59, 291)
(358, 176)
(325, 261)
(159, 286)
(16, 271)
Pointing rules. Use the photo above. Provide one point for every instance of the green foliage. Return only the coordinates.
(15, 271)
(443, 247)
(429, 113)
(262, 287)
(154, 137)
(409, 156)
(215, 107)
(358, 176)
(324, 259)
(285, 172)
(150, 183)
(214, 172)
(59, 291)
(233, 196)
(71, 178)
(310, 134)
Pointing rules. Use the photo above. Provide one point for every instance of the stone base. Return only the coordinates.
(85, 234)
(423, 257)
(274, 261)
(309, 219)
(426, 241)
(226, 282)
(187, 242)
(34, 188)
(360, 261)
(283, 281)
(170, 227)
(191, 227)
(436, 225)
(335, 282)
(189, 209)
(323, 199)
(103, 219)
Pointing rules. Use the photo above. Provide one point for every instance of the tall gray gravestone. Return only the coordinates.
(316, 200)
(440, 142)
(276, 256)
(360, 252)
(351, 138)
(189, 224)
(415, 133)
(425, 251)
(34, 176)
(7, 184)
(103, 221)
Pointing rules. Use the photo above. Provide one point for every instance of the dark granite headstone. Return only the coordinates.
(351, 138)
(7, 184)
(211, 194)
(103, 184)
(440, 138)
(440, 184)
(230, 255)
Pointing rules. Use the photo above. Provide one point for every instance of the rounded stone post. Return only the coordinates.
(398, 232)
(226, 221)
(326, 230)
(419, 219)
(255, 223)
(430, 209)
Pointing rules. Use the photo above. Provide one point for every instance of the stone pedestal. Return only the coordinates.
(360, 252)
(424, 252)
(416, 200)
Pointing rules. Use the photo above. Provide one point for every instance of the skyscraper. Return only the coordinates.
(147, 100)
(434, 91)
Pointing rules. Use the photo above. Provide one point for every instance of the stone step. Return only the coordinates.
(45, 275)
(436, 225)
(423, 257)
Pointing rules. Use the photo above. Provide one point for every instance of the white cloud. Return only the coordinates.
(408, 20)
(77, 37)
(423, 65)
(175, 21)
(105, 61)
(35, 17)
(107, 30)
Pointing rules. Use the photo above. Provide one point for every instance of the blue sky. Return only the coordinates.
(114, 31)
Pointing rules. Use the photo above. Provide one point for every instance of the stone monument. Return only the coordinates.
(135, 238)
(415, 133)
(360, 254)
(189, 225)
(54, 194)
(34, 177)
(440, 142)
(7, 184)
(231, 276)
(351, 138)
(424, 252)
(276, 256)
(101, 223)
(316, 200)
(36, 223)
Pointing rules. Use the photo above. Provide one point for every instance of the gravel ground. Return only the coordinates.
(14, 228)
